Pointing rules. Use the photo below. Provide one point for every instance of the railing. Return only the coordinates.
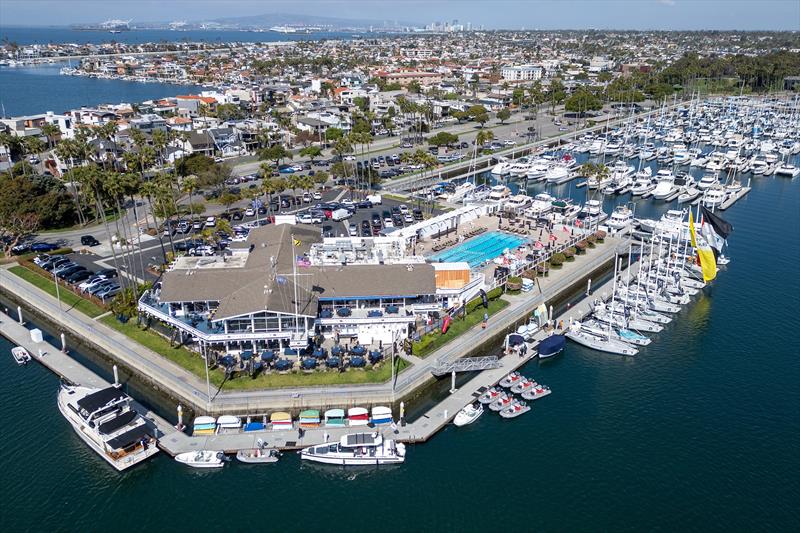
(466, 364)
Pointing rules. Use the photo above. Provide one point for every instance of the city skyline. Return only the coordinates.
(512, 15)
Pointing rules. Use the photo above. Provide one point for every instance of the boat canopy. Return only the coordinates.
(334, 413)
(280, 416)
(361, 439)
(114, 424)
(552, 345)
(129, 437)
(92, 402)
(229, 421)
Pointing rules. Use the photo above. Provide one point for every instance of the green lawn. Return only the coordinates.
(192, 362)
(68, 298)
(436, 339)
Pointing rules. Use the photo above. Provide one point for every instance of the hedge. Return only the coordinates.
(491, 295)
(557, 259)
(600, 235)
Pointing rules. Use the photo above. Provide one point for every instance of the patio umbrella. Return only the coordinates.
(283, 364)
(246, 355)
(267, 355)
(309, 364)
(357, 362)
(228, 360)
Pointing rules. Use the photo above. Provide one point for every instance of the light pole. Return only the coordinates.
(58, 292)
(208, 381)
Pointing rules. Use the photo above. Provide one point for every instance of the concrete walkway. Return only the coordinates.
(191, 390)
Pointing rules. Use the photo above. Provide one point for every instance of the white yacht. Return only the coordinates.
(202, 459)
(538, 169)
(787, 169)
(502, 167)
(665, 186)
(20, 355)
(499, 193)
(469, 414)
(598, 341)
(520, 167)
(357, 449)
(105, 420)
(690, 192)
(758, 167)
(714, 196)
(592, 212)
(707, 181)
(643, 182)
(541, 205)
(558, 174)
(620, 218)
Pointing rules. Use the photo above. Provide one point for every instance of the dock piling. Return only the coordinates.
(179, 426)
(116, 375)
(19, 313)
(64, 344)
(453, 388)
(589, 287)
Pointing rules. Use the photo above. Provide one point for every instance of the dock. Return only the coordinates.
(68, 369)
(732, 199)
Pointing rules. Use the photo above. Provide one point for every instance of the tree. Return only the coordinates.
(228, 198)
(193, 164)
(189, 186)
(557, 93)
(216, 176)
(227, 112)
(333, 134)
(582, 101)
(481, 118)
(443, 138)
(276, 152)
(362, 102)
(311, 152)
(484, 137)
(503, 115)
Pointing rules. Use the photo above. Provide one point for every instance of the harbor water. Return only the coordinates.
(699, 431)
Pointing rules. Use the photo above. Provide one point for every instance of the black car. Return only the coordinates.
(417, 214)
(237, 215)
(376, 219)
(364, 204)
(54, 263)
(366, 232)
(89, 240)
(108, 273)
(365, 224)
(64, 274)
(79, 276)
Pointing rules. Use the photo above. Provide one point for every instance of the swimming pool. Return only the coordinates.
(484, 247)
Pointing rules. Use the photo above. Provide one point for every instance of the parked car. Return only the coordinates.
(79, 276)
(91, 281)
(211, 222)
(64, 274)
(89, 240)
(418, 214)
(108, 292)
(204, 250)
(197, 225)
(103, 285)
(108, 272)
(43, 247)
(55, 263)
(249, 212)
(305, 218)
(408, 218)
(352, 230)
(41, 259)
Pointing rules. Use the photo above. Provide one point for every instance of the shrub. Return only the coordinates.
(569, 254)
(557, 259)
(591, 239)
(581, 246)
(514, 283)
(600, 235)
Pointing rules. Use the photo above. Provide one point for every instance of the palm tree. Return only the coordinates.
(50, 131)
(189, 186)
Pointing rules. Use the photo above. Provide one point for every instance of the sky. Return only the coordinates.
(492, 14)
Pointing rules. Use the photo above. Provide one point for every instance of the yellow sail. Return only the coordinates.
(708, 262)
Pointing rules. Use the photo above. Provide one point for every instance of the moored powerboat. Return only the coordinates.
(490, 395)
(468, 414)
(357, 449)
(202, 459)
(539, 391)
(510, 380)
(515, 409)
(21, 355)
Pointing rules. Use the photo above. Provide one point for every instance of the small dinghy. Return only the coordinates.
(202, 459)
(523, 385)
(515, 409)
(501, 403)
(510, 380)
(489, 396)
(259, 454)
(469, 414)
(537, 392)
(21, 355)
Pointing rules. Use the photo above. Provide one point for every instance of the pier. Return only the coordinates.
(154, 368)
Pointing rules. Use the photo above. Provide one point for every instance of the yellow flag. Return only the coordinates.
(705, 255)
(296, 242)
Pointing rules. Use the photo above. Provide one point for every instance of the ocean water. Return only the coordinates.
(38, 89)
(699, 432)
(45, 35)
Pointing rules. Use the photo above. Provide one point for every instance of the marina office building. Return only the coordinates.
(284, 284)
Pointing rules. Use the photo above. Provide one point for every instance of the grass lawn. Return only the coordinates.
(68, 298)
(194, 363)
(435, 340)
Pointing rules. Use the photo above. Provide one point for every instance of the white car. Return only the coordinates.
(197, 224)
(305, 218)
(404, 208)
(249, 212)
(204, 250)
(91, 283)
(211, 222)
(409, 218)
(387, 223)
(349, 158)
(509, 142)
(352, 230)
(317, 196)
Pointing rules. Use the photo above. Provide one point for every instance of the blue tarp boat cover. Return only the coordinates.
(254, 426)
(552, 345)
(515, 340)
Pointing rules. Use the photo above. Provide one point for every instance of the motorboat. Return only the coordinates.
(499, 193)
(20, 355)
(714, 196)
(502, 167)
(258, 455)
(558, 174)
(515, 409)
(468, 414)
(106, 421)
(501, 403)
(490, 396)
(538, 169)
(539, 391)
(787, 169)
(598, 341)
(707, 181)
(522, 386)
(541, 205)
(615, 332)
(758, 167)
(520, 167)
(510, 380)
(621, 217)
(357, 449)
(592, 212)
(551, 346)
(202, 459)
(691, 192)
(665, 185)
